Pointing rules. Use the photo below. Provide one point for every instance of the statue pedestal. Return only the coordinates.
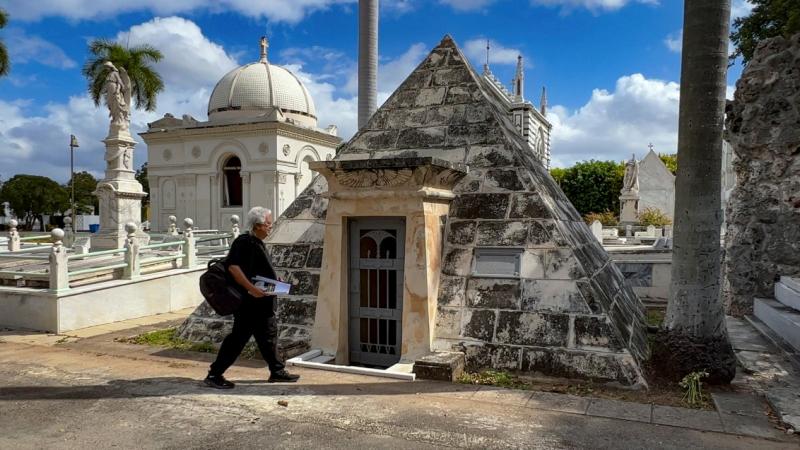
(629, 208)
(119, 194)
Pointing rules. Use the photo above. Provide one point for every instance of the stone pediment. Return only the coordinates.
(390, 174)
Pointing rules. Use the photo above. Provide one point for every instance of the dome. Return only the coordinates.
(254, 89)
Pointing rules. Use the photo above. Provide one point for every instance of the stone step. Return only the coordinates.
(784, 321)
(786, 294)
(791, 282)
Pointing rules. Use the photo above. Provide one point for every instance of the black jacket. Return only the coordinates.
(250, 254)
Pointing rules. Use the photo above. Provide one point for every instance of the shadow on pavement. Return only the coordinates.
(171, 386)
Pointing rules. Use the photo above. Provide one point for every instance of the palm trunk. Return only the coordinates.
(694, 336)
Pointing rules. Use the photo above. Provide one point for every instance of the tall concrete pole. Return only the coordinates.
(367, 60)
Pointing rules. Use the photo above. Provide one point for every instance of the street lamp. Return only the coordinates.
(73, 143)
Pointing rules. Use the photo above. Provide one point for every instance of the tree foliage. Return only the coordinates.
(592, 186)
(5, 64)
(606, 218)
(671, 161)
(141, 177)
(653, 216)
(146, 83)
(769, 18)
(30, 196)
(85, 200)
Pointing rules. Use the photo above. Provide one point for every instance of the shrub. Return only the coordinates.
(607, 218)
(653, 216)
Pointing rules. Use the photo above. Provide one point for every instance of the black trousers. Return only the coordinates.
(254, 318)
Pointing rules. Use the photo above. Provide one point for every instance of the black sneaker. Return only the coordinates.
(283, 376)
(218, 382)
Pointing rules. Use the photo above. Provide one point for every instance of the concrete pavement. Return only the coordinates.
(92, 391)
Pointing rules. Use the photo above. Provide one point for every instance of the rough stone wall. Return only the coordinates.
(763, 213)
(295, 246)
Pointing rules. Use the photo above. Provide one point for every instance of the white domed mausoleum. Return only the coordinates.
(254, 149)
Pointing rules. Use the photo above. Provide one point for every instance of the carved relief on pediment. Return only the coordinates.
(373, 177)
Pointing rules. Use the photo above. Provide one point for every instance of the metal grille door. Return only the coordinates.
(376, 290)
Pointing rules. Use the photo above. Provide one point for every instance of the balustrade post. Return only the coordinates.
(69, 233)
(173, 226)
(59, 271)
(133, 268)
(189, 246)
(13, 236)
(235, 226)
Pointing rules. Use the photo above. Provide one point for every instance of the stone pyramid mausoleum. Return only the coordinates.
(436, 229)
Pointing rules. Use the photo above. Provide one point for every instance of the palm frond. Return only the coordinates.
(5, 65)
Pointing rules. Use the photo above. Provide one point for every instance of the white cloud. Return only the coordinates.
(740, 8)
(612, 125)
(467, 5)
(190, 59)
(674, 41)
(191, 66)
(475, 49)
(591, 5)
(24, 48)
(290, 11)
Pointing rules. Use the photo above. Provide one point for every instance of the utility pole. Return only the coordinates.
(73, 144)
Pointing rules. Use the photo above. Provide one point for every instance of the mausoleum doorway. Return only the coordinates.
(376, 290)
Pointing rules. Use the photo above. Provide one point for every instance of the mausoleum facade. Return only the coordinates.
(254, 149)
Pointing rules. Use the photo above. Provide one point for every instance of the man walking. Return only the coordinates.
(256, 317)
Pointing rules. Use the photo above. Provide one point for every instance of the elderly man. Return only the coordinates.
(256, 317)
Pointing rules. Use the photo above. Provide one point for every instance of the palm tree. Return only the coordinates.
(5, 64)
(146, 83)
(694, 336)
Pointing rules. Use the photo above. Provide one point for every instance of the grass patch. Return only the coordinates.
(655, 317)
(169, 338)
(660, 392)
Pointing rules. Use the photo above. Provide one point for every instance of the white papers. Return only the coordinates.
(271, 286)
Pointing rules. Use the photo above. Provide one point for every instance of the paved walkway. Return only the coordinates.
(88, 389)
(767, 368)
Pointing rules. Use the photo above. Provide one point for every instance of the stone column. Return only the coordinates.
(246, 192)
(119, 193)
(367, 60)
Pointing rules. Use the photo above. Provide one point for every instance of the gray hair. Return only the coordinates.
(256, 216)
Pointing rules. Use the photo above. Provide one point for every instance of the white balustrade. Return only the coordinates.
(190, 246)
(59, 275)
(13, 236)
(132, 261)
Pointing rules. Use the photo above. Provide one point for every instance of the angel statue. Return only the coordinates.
(118, 98)
(631, 181)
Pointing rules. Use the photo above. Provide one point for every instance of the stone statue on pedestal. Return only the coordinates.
(631, 181)
(629, 198)
(117, 88)
(120, 195)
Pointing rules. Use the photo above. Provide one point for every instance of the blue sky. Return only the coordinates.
(611, 67)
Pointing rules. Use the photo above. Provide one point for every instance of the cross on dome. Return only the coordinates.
(264, 48)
